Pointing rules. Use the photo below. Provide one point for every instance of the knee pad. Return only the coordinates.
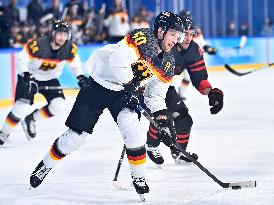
(56, 105)
(21, 109)
(183, 123)
(130, 129)
(70, 141)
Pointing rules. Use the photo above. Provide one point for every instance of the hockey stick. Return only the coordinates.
(230, 69)
(115, 183)
(57, 88)
(236, 185)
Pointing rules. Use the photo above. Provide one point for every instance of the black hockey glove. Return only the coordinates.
(175, 102)
(165, 120)
(29, 84)
(133, 95)
(216, 100)
(210, 50)
(83, 81)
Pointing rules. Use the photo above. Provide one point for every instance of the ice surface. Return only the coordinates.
(235, 145)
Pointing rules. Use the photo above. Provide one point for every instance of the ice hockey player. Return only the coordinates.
(199, 39)
(40, 63)
(188, 56)
(198, 36)
(115, 71)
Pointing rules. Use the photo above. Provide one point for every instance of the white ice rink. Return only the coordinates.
(235, 145)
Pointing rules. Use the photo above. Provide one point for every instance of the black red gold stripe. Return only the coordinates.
(136, 156)
(44, 111)
(156, 71)
(11, 120)
(55, 153)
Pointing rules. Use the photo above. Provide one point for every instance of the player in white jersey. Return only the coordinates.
(40, 63)
(115, 73)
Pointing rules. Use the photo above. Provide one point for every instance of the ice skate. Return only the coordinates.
(155, 155)
(180, 158)
(38, 175)
(29, 126)
(141, 187)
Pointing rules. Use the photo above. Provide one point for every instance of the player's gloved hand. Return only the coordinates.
(133, 100)
(28, 83)
(210, 50)
(216, 100)
(83, 81)
(165, 120)
(175, 102)
(133, 95)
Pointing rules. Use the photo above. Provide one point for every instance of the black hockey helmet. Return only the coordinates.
(61, 26)
(187, 19)
(167, 20)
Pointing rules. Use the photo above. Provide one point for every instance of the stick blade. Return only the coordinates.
(230, 69)
(121, 186)
(244, 184)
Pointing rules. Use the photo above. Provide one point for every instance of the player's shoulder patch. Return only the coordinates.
(35, 47)
(144, 42)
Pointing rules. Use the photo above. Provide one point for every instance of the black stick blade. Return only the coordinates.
(228, 67)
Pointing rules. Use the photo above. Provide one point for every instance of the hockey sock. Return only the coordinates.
(42, 113)
(10, 123)
(137, 161)
(152, 138)
(182, 139)
(53, 156)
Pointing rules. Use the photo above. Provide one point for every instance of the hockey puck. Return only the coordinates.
(236, 187)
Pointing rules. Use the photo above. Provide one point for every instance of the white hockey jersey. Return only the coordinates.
(43, 63)
(118, 64)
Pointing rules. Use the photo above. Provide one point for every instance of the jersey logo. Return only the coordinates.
(139, 38)
(48, 65)
(141, 71)
(33, 47)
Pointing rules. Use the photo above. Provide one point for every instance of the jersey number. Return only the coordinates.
(139, 38)
(47, 66)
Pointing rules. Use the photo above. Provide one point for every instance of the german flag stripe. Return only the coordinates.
(10, 122)
(53, 155)
(45, 112)
(182, 136)
(138, 162)
(159, 73)
(156, 71)
(137, 157)
(182, 141)
(132, 45)
(136, 152)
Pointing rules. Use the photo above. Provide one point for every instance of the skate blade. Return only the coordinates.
(142, 197)
(30, 188)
